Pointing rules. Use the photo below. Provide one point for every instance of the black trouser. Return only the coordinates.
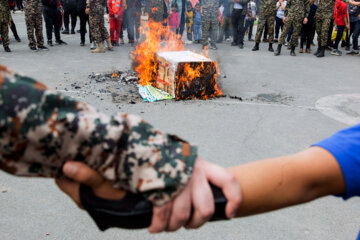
(237, 19)
(340, 31)
(266, 32)
(279, 24)
(330, 33)
(84, 18)
(70, 11)
(19, 4)
(52, 19)
(352, 27)
(13, 29)
(306, 32)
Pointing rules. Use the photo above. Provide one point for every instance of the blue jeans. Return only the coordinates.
(355, 36)
(249, 24)
(197, 32)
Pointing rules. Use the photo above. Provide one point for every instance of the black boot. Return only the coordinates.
(321, 52)
(292, 52)
(256, 47)
(7, 49)
(278, 50)
(317, 51)
(270, 48)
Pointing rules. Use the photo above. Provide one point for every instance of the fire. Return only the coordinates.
(193, 80)
(114, 75)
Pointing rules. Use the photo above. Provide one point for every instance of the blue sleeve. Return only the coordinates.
(345, 147)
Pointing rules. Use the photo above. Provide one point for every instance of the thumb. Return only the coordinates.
(81, 173)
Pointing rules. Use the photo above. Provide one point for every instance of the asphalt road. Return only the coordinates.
(288, 104)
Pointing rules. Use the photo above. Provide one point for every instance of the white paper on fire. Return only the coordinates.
(152, 94)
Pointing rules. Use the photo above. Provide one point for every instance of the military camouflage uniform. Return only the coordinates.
(324, 16)
(155, 10)
(267, 16)
(41, 129)
(295, 12)
(96, 19)
(33, 19)
(210, 20)
(5, 18)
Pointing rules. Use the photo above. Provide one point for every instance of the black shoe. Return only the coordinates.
(116, 44)
(278, 50)
(7, 49)
(82, 43)
(213, 46)
(347, 48)
(321, 52)
(43, 48)
(17, 39)
(317, 51)
(256, 47)
(50, 43)
(241, 45)
(66, 31)
(270, 48)
(292, 52)
(72, 31)
(289, 47)
(234, 44)
(78, 31)
(61, 42)
(34, 49)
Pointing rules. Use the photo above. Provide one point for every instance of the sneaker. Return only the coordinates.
(78, 31)
(82, 43)
(287, 44)
(7, 49)
(17, 39)
(241, 45)
(336, 52)
(353, 52)
(61, 42)
(92, 46)
(49, 42)
(43, 48)
(213, 46)
(251, 40)
(227, 40)
(34, 49)
(347, 48)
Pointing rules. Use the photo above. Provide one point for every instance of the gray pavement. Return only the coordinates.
(280, 114)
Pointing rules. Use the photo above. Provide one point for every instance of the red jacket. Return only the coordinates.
(340, 12)
(116, 7)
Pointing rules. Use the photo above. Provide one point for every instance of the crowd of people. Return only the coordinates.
(205, 21)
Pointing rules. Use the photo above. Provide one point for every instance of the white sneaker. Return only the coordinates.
(92, 46)
(336, 52)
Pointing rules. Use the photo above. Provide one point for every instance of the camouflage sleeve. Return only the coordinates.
(306, 8)
(41, 129)
(288, 4)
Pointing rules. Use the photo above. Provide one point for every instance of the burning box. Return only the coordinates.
(186, 75)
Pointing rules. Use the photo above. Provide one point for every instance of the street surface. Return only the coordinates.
(287, 104)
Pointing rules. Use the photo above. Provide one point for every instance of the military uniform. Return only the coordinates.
(267, 17)
(295, 12)
(155, 10)
(5, 19)
(33, 19)
(96, 19)
(323, 18)
(210, 20)
(41, 129)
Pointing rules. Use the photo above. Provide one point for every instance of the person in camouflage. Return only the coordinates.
(267, 17)
(155, 10)
(210, 22)
(95, 9)
(5, 20)
(323, 18)
(296, 13)
(33, 19)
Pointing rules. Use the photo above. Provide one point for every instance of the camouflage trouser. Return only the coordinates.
(4, 32)
(322, 29)
(269, 21)
(33, 19)
(209, 28)
(97, 26)
(296, 23)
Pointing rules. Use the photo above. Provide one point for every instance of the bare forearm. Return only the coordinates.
(285, 181)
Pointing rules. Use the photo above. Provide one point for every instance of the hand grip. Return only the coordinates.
(132, 211)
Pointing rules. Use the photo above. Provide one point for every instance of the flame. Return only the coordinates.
(114, 75)
(159, 38)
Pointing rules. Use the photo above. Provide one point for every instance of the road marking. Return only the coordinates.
(344, 108)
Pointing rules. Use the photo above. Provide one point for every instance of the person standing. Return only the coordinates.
(237, 19)
(356, 33)
(12, 24)
(280, 11)
(189, 21)
(133, 20)
(95, 9)
(341, 20)
(197, 23)
(116, 10)
(210, 22)
(267, 16)
(5, 20)
(33, 20)
(84, 18)
(353, 17)
(306, 30)
(250, 19)
(70, 7)
(323, 19)
(296, 13)
(52, 16)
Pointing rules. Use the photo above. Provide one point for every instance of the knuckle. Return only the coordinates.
(206, 212)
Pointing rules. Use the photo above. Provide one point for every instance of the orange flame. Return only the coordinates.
(114, 75)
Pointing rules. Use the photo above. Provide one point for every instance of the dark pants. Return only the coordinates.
(19, 4)
(278, 25)
(70, 11)
(13, 29)
(238, 25)
(249, 24)
(84, 18)
(356, 36)
(52, 19)
(330, 32)
(289, 34)
(306, 32)
(340, 31)
(266, 31)
(130, 18)
(352, 27)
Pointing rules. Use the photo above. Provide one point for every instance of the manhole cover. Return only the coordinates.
(344, 108)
